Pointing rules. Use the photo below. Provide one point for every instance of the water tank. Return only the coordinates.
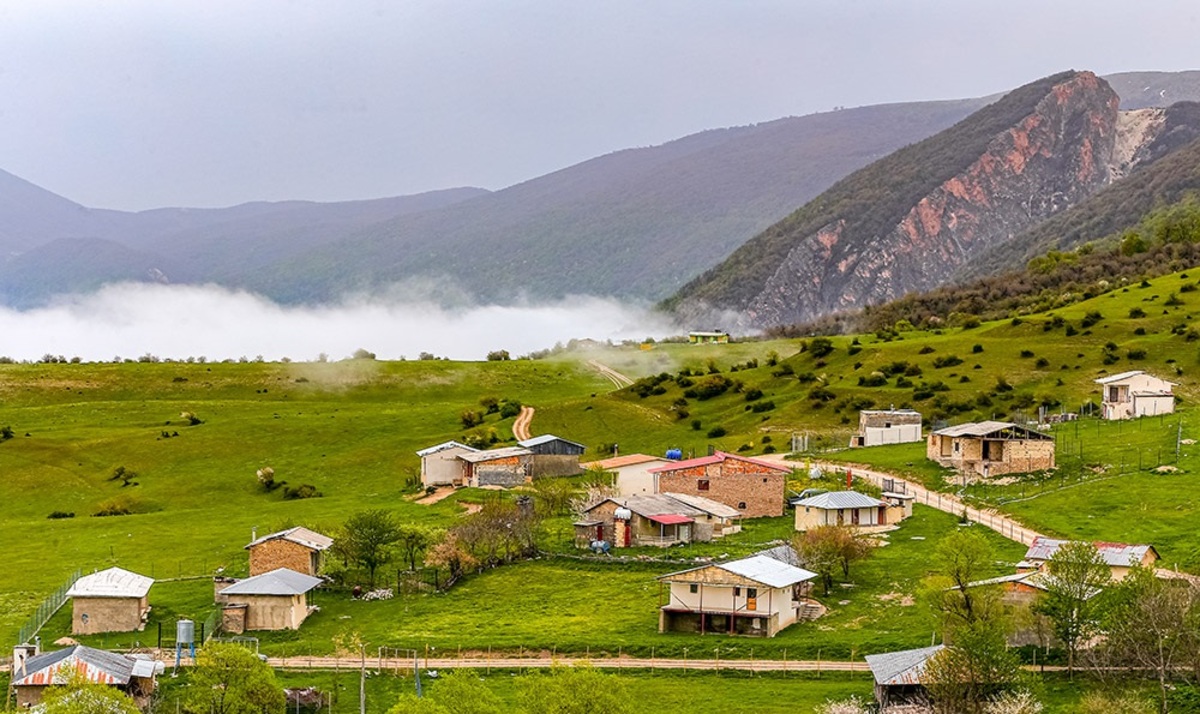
(623, 514)
(185, 632)
(675, 454)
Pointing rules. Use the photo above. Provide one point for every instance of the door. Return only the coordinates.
(600, 532)
(628, 533)
(751, 598)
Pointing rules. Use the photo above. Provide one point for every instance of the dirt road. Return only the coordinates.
(521, 425)
(619, 380)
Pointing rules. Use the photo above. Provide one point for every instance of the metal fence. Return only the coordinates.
(46, 610)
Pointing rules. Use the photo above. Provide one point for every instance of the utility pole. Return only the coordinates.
(362, 679)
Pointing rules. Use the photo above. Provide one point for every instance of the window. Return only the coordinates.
(737, 592)
(693, 588)
(702, 485)
(742, 505)
(957, 447)
(751, 593)
(764, 480)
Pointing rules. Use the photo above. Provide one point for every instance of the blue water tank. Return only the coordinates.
(675, 454)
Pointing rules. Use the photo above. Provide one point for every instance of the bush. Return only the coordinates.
(360, 353)
(304, 490)
(498, 356)
(976, 349)
(1136, 354)
(696, 424)
(1136, 313)
(509, 408)
(6, 433)
(760, 407)
(783, 371)
(1091, 318)
(60, 514)
(712, 386)
(874, 379)
(491, 404)
(470, 418)
(1026, 353)
(1042, 363)
(925, 350)
(821, 394)
(946, 361)
(754, 395)
(717, 432)
(820, 347)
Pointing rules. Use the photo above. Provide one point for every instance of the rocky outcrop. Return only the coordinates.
(1058, 154)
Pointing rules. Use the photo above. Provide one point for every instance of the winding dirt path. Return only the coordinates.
(619, 380)
(521, 425)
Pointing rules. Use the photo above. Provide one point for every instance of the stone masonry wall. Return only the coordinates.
(280, 553)
(753, 490)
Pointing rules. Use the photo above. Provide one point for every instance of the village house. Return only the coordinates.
(848, 508)
(112, 600)
(655, 519)
(631, 473)
(133, 674)
(506, 467)
(298, 549)
(991, 448)
(712, 337)
(898, 676)
(551, 455)
(887, 426)
(1119, 557)
(277, 600)
(757, 596)
(756, 488)
(1130, 395)
(440, 465)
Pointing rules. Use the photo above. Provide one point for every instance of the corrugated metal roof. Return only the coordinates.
(1120, 555)
(1119, 377)
(546, 439)
(768, 571)
(904, 667)
(280, 581)
(300, 535)
(717, 458)
(987, 428)
(784, 554)
(656, 504)
(716, 508)
(114, 582)
(841, 499)
(671, 519)
(442, 447)
(96, 665)
(904, 412)
(493, 454)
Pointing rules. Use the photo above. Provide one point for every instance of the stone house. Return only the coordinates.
(132, 674)
(505, 467)
(755, 488)
(277, 600)
(551, 455)
(991, 448)
(845, 508)
(887, 426)
(298, 549)
(440, 465)
(1120, 557)
(757, 596)
(627, 521)
(631, 473)
(1130, 395)
(898, 676)
(113, 600)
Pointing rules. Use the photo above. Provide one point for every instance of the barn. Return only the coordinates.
(553, 456)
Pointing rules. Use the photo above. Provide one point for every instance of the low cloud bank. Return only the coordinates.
(129, 320)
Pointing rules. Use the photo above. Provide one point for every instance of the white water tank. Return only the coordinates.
(623, 514)
(185, 632)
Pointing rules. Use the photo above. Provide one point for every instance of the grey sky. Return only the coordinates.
(145, 103)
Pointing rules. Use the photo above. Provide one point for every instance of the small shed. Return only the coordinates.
(277, 600)
(842, 508)
(440, 465)
(877, 427)
(1119, 557)
(113, 600)
(132, 674)
(898, 675)
(1134, 394)
(298, 549)
(552, 455)
(631, 472)
(505, 467)
(991, 448)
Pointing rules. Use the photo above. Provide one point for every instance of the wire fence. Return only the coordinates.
(46, 610)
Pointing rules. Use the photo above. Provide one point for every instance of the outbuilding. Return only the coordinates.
(298, 549)
(1119, 557)
(113, 600)
(877, 427)
(631, 472)
(552, 455)
(899, 676)
(505, 467)
(842, 508)
(132, 674)
(440, 465)
(991, 448)
(1134, 394)
(277, 600)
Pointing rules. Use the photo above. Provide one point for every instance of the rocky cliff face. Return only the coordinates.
(1058, 154)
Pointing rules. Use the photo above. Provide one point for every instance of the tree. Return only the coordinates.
(6, 433)
(573, 690)
(553, 495)
(367, 538)
(498, 356)
(1076, 575)
(450, 554)
(826, 550)
(976, 668)
(413, 542)
(961, 559)
(230, 679)
(470, 418)
(458, 692)
(81, 696)
(499, 532)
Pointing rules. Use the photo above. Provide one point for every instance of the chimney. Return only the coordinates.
(254, 534)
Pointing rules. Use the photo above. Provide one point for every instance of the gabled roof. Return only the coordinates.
(53, 667)
(618, 462)
(280, 581)
(762, 569)
(114, 582)
(657, 504)
(716, 508)
(546, 439)
(904, 667)
(903, 412)
(1119, 555)
(784, 554)
(717, 458)
(493, 454)
(988, 428)
(299, 535)
(442, 447)
(1037, 579)
(834, 500)
(1128, 375)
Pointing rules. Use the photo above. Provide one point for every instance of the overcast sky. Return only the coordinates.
(145, 103)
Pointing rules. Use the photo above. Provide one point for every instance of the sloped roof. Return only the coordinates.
(841, 499)
(904, 667)
(904, 412)
(656, 504)
(1120, 555)
(717, 458)
(280, 581)
(442, 447)
(769, 571)
(546, 439)
(493, 454)
(783, 553)
(53, 667)
(716, 508)
(987, 428)
(1129, 375)
(617, 462)
(114, 582)
(299, 535)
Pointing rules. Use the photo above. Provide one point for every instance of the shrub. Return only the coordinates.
(304, 490)
(717, 432)
(1002, 385)
(1042, 363)
(1189, 288)
(976, 349)
(783, 371)
(498, 356)
(696, 425)
(761, 407)
(1136, 313)
(470, 418)
(1173, 299)
(1071, 331)
(6, 433)
(60, 514)
(491, 404)
(1140, 331)
(925, 350)
(820, 347)
(806, 377)
(946, 361)
(712, 386)
(1091, 318)
(853, 350)
(769, 449)
(874, 379)
(903, 382)
(1136, 354)
(190, 418)
(821, 394)
(360, 353)
(754, 395)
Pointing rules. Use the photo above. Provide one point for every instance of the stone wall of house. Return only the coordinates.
(233, 619)
(1023, 456)
(506, 472)
(280, 553)
(106, 614)
(604, 512)
(752, 489)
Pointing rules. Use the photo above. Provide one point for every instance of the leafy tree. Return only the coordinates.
(961, 559)
(230, 679)
(413, 542)
(573, 690)
(451, 554)
(828, 550)
(367, 538)
(360, 353)
(553, 495)
(458, 692)
(509, 408)
(470, 418)
(81, 696)
(1076, 575)
(976, 668)
(498, 356)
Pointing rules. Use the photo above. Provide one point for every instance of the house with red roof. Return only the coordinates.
(754, 487)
